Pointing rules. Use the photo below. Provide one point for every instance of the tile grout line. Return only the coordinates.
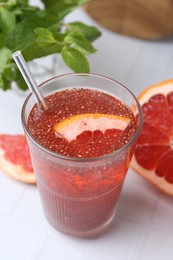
(17, 201)
(37, 251)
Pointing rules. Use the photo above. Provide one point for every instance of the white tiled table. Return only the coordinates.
(143, 228)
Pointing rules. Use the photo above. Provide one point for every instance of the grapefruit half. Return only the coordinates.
(153, 157)
(15, 158)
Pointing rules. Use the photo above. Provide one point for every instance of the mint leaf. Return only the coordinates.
(4, 83)
(80, 42)
(5, 57)
(39, 49)
(23, 36)
(75, 60)
(20, 81)
(11, 2)
(90, 32)
(44, 37)
(2, 36)
(34, 51)
(1, 82)
(62, 7)
(7, 19)
(10, 72)
(22, 2)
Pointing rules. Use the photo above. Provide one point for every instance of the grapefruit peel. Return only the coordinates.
(163, 88)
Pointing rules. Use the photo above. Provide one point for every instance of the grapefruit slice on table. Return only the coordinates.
(91, 135)
(15, 158)
(153, 157)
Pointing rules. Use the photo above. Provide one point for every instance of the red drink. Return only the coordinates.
(67, 103)
(80, 181)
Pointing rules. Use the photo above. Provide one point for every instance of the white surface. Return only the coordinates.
(143, 228)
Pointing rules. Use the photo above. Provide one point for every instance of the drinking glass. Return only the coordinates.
(79, 195)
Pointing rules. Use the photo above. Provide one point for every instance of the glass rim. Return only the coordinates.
(84, 159)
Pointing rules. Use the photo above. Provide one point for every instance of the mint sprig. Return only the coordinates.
(41, 32)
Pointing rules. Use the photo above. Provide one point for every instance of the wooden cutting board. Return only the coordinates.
(147, 19)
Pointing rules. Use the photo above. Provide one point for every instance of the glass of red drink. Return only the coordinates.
(80, 185)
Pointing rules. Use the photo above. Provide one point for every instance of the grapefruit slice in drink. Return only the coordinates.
(153, 157)
(15, 158)
(91, 135)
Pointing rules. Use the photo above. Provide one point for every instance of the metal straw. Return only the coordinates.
(29, 78)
